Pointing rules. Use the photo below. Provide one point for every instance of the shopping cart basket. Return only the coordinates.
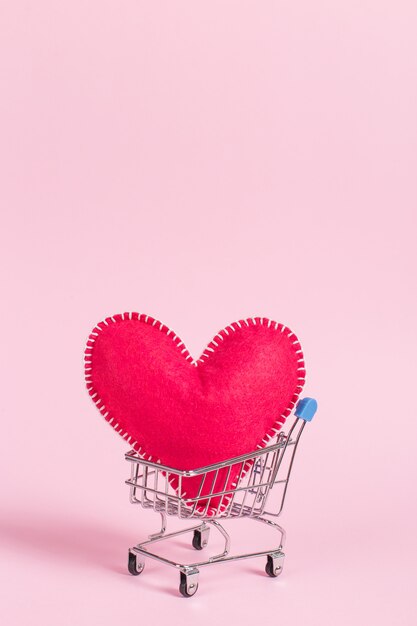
(259, 473)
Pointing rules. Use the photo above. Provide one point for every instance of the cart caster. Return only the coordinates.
(275, 564)
(134, 567)
(200, 538)
(189, 583)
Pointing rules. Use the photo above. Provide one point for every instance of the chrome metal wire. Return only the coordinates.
(255, 476)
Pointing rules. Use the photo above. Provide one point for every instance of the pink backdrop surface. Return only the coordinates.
(203, 162)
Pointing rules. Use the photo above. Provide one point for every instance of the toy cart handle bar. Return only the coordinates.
(306, 409)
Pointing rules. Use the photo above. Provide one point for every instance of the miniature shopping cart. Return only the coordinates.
(260, 473)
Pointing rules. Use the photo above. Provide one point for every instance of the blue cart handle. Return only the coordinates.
(306, 409)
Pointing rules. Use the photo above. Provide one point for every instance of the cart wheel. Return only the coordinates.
(200, 538)
(274, 565)
(188, 587)
(133, 566)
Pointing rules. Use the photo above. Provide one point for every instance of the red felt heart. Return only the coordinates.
(188, 414)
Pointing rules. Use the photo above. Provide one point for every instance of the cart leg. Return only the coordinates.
(163, 527)
(276, 527)
(226, 537)
(188, 582)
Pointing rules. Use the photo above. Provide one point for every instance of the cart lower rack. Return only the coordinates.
(260, 473)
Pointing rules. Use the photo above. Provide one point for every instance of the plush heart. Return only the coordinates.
(188, 414)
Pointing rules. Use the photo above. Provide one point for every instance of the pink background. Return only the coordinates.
(201, 162)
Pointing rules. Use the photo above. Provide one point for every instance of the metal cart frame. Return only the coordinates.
(258, 473)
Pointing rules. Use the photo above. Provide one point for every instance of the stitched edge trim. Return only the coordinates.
(210, 349)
